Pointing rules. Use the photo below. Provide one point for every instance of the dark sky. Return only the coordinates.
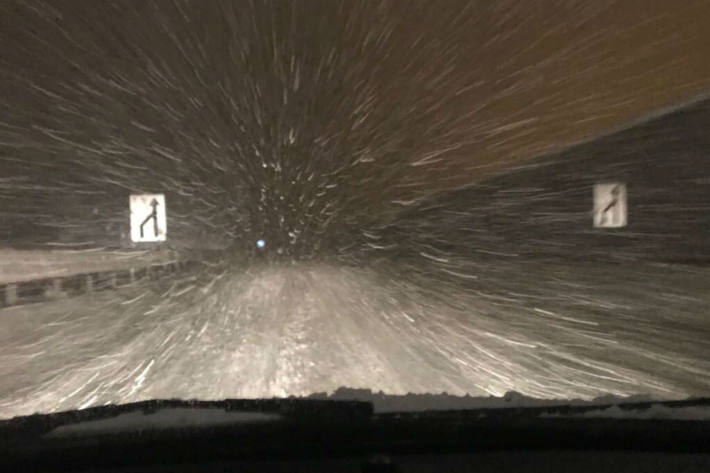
(314, 117)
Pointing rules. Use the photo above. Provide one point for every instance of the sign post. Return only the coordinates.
(148, 217)
(610, 205)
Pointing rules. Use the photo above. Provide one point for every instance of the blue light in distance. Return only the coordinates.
(260, 243)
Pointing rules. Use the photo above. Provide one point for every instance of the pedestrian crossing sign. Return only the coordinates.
(148, 217)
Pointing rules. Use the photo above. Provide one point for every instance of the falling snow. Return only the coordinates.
(372, 195)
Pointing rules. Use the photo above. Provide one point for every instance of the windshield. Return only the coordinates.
(209, 200)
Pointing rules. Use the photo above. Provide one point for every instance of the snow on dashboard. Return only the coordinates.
(162, 419)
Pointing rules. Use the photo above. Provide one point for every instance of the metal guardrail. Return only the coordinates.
(54, 288)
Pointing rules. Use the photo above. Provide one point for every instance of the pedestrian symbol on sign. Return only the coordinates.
(610, 210)
(148, 217)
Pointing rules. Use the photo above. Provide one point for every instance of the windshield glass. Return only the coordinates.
(208, 200)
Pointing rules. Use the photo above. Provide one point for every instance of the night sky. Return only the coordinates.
(308, 121)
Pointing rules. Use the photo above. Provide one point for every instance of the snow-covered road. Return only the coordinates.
(298, 329)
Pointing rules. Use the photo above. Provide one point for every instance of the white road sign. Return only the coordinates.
(610, 206)
(148, 217)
